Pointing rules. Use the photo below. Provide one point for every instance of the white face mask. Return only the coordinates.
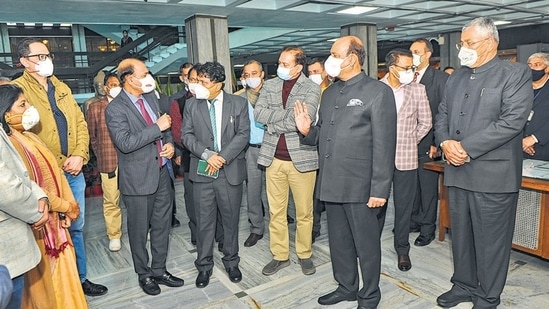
(44, 68)
(333, 66)
(406, 77)
(317, 78)
(192, 88)
(114, 91)
(283, 73)
(243, 83)
(201, 92)
(467, 57)
(416, 60)
(148, 83)
(253, 82)
(30, 118)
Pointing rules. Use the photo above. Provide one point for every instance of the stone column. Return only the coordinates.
(5, 47)
(208, 40)
(79, 43)
(448, 50)
(367, 33)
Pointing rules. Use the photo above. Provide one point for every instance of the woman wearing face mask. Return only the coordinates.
(536, 132)
(54, 283)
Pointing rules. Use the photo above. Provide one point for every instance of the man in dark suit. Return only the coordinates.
(356, 137)
(144, 145)
(424, 212)
(479, 128)
(216, 130)
(536, 131)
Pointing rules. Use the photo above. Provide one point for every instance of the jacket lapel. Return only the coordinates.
(131, 108)
(203, 110)
(226, 112)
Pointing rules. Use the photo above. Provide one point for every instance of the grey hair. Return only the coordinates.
(485, 26)
(543, 56)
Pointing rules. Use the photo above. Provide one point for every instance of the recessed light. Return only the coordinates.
(356, 10)
(501, 22)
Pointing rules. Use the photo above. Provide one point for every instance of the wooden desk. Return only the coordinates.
(538, 187)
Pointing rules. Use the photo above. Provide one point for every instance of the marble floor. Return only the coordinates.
(527, 284)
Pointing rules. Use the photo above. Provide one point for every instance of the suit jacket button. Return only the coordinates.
(327, 156)
(458, 131)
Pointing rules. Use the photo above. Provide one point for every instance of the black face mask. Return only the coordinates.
(537, 74)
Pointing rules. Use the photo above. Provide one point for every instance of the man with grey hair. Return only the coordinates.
(478, 127)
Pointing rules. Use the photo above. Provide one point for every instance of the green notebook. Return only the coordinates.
(201, 170)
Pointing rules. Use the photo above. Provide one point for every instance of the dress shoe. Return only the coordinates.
(203, 278)
(149, 286)
(423, 240)
(92, 289)
(252, 239)
(335, 297)
(274, 266)
(169, 280)
(175, 222)
(290, 219)
(451, 299)
(115, 245)
(234, 274)
(315, 235)
(404, 263)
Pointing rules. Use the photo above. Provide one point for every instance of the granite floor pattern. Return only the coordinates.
(527, 284)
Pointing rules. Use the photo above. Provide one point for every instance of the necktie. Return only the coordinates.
(214, 123)
(149, 121)
(416, 74)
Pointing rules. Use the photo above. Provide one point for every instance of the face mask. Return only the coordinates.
(114, 91)
(147, 83)
(44, 68)
(29, 118)
(405, 77)
(201, 92)
(283, 73)
(192, 88)
(333, 66)
(253, 82)
(416, 60)
(243, 82)
(467, 56)
(537, 74)
(317, 78)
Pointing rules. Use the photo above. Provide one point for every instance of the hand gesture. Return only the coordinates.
(164, 122)
(302, 118)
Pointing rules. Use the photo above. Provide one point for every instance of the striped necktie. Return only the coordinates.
(214, 123)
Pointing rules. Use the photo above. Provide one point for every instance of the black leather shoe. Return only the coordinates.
(335, 297)
(423, 240)
(92, 289)
(169, 280)
(290, 219)
(149, 286)
(234, 274)
(175, 222)
(252, 239)
(203, 278)
(450, 299)
(404, 263)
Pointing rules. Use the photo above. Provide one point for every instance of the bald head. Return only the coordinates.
(351, 51)
(129, 72)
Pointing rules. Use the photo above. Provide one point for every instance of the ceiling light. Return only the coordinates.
(501, 22)
(332, 40)
(356, 10)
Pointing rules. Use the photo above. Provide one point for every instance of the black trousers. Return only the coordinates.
(482, 234)
(404, 191)
(353, 231)
(424, 213)
(154, 210)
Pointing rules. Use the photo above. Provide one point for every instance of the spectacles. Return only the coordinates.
(468, 44)
(407, 70)
(41, 57)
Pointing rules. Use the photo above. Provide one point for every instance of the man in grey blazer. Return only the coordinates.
(144, 145)
(479, 128)
(216, 130)
(290, 165)
(356, 137)
(23, 203)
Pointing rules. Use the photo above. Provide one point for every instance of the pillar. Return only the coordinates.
(208, 40)
(5, 47)
(448, 50)
(79, 45)
(367, 33)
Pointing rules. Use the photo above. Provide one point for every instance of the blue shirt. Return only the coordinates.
(256, 128)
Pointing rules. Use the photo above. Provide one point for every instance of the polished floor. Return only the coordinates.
(527, 283)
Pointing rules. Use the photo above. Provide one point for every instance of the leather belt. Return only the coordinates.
(255, 145)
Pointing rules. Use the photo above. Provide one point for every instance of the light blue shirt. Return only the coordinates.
(256, 128)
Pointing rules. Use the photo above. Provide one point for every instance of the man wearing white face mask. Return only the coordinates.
(64, 130)
(144, 145)
(289, 165)
(413, 123)
(107, 161)
(479, 128)
(317, 74)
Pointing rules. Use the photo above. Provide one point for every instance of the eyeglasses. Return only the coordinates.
(468, 44)
(407, 70)
(41, 57)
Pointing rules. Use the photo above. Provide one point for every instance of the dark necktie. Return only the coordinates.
(149, 121)
(214, 123)
(416, 74)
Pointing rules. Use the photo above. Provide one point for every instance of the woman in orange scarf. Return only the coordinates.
(54, 282)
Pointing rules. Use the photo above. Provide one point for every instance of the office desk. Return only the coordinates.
(532, 222)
